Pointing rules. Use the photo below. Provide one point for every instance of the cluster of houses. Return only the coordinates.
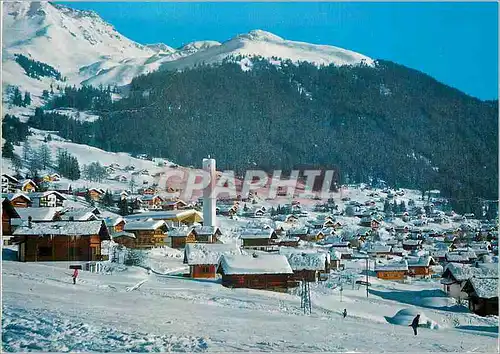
(278, 248)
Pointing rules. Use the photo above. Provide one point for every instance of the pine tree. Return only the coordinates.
(387, 206)
(17, 98)
(7, 150)
(45, 156)
(17, 163)
(107, 199)
(27, 99)
(26, 151)
(123, 206)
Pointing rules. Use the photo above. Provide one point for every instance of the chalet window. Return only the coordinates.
(45, 251)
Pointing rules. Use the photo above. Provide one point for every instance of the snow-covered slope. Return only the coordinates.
(268, 45)
(87, 50)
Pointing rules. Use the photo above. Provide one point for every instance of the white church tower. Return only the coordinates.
(209, 198)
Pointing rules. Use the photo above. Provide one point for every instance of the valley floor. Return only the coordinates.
(133, 310)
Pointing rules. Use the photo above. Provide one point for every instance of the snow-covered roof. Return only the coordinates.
(379, 249)
(208, 253)
(255, 264)
(463, 272)
(393, 266)
(123, 234)
(12, 196)
(423, 261)
(63, 228)
(298, 231)
(256, 233)
(485, 288)
(307, 260)
(143, 225)
(37, 214)
(82, 214)
(412, 242)
(113, 221)
(38, 195)
(179, 231)
(206, 230)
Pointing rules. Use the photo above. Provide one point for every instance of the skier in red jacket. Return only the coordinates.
(75, 275)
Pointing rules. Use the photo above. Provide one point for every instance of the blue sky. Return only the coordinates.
(456, 43)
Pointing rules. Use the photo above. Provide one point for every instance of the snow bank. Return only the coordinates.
(405, 316)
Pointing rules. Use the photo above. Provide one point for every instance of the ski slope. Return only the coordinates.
(131, 310)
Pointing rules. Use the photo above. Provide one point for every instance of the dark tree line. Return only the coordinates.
(37, 69)
(83, 98)
(386, 123)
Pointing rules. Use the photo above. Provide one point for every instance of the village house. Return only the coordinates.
(61, 241)
(53, 177)
(47, 199)
(9, 183)
(259, 239)
(307, 266)
(378, 250)
(410, 245)
(207, 234)
(203, 259)
(301, 233)
(115, 225)
(392, 271)
(18, 200)
(179, 237)
(289, 242)
(8, 213)
(258, 271)
(455, 276)
(175, 217)
(482, 295)
(27, 186)
(148, 234)
(420, 267)
(95, 193)
(174, 205)
(152, 201)
(335, 258)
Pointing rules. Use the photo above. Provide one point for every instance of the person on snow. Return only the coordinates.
(75, 275)
(414, 323)
(344, 313)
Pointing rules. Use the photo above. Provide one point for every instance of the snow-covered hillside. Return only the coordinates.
(87, 50)
(131, 310)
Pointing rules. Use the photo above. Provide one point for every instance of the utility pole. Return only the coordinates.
(366, 275)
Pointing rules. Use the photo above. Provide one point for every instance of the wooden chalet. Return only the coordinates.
(18, 200)
(258, 271)
(78, 214)
(152, 201)
(420, 267)
(308, 266)
(482, 294)
(455, 275)
(8, 213)
(115, 224)
(61, 241)
(148, 234)
(180, 237)
(203, 259)
(289, 242)
(9, 183)
(392, 271)
(259, 239)
(379, 251)
(302, 233)
(207, 234)
(47, 199)
(411, 245)
(28, 186)
(173, 205)
(95, 193)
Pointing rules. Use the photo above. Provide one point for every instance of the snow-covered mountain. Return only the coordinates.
(268, 45)
(87, 50)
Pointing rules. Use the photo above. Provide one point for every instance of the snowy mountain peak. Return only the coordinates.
(260, 35)
(161, 48)
(193, 47)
